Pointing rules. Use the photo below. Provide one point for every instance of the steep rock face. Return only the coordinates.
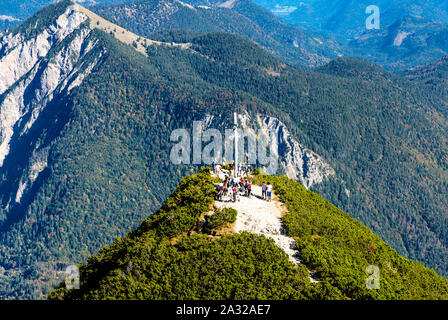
(299, 163)
(68, 183)
(20, 54)
(295, 160)
(36, 70)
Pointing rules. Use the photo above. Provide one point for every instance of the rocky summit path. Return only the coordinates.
(259, 216)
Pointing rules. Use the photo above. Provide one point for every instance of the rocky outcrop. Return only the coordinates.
(34, 71)
(299, 163)
(294, 159)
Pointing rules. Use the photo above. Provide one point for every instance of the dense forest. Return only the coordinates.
(384, 136)
(245, 18)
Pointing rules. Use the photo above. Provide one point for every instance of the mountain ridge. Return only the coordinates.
(128, 269)
(243, 17)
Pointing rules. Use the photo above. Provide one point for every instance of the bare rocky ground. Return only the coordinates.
(259, 216)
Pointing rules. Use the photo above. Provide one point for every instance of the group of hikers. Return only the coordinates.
(266, 191)
(243, 168)
(239, 186)
(236, 186)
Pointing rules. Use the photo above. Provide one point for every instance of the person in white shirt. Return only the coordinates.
(269, 192)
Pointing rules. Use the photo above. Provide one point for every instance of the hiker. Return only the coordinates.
(249, 189)
(235, 182)
(269, 191)
(214, 167)
(220, 191)
(225, 187)
(234, 194)
(263, 191)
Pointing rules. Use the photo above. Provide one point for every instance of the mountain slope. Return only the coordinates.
(245, 265)
(242, 17)
(433, 76)
(88, 118)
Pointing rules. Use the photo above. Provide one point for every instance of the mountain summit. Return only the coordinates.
(193, 248)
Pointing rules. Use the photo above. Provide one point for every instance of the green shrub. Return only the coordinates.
(220, 218)
(216, 180)
(241, 266)
(339, 248)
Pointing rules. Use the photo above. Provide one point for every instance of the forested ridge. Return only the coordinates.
(243, 17)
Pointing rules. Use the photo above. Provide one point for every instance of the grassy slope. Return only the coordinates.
(339, 249)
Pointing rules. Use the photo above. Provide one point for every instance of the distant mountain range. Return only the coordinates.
(20, 9)
(305, 33)
(406, 43)
(434, 76)
(411, 33)
(294, 45)
(347, 17)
